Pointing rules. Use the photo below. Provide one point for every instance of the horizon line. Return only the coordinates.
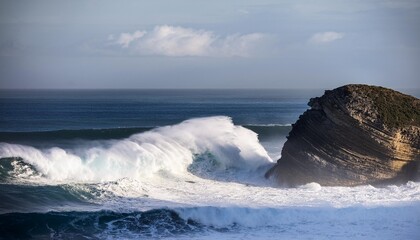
(228, 88)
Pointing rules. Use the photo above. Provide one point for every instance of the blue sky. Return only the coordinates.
(209, 44)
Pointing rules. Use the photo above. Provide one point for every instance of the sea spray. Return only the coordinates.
(202, 201)
(167, 150)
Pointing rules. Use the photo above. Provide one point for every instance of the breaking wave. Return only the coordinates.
(215, 143)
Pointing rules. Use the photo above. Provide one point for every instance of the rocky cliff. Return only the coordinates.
(355, 134)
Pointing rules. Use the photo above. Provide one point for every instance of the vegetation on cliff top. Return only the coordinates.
(395, 109)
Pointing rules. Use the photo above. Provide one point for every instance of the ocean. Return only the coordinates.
(174, 164)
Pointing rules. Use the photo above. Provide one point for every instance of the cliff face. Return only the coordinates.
(355, 134)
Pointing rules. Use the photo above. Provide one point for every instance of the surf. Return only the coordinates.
(201, 178)
(212, 142)
(211, 222)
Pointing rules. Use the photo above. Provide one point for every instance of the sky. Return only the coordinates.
(209, 44)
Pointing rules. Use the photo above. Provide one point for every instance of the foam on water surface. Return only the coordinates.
(170, 149)
(203, 175)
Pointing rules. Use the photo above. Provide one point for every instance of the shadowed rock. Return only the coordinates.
(355, 134)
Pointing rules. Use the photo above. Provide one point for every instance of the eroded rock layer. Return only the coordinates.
(355, 134)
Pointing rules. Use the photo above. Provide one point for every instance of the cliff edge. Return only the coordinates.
(354, 134)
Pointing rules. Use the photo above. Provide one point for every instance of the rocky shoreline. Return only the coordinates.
(354, 134)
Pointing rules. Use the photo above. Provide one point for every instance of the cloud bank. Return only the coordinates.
(174, 41)
(325, 37)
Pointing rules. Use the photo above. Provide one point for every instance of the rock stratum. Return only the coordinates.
(355, 134)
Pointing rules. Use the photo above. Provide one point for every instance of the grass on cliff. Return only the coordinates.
(395, 109)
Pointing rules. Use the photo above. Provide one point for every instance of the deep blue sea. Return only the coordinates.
(47, 110)
(173, 164)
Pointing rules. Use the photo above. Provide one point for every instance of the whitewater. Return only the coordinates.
(202, 178)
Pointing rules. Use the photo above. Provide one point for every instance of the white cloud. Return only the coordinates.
(126, 38)
(325, 37)
(178, 41)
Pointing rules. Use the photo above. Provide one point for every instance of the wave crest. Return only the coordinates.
(169, 149)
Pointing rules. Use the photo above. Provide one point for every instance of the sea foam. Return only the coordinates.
(166, 150)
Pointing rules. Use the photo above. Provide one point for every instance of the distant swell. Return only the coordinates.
(88, 134)
(216, 141)
(263, 131)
